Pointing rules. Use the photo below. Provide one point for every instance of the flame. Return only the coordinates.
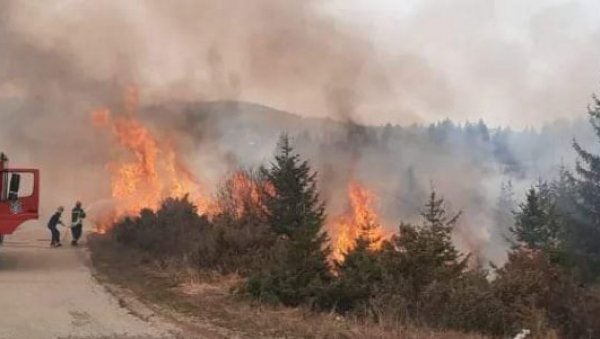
(241, 194)
(148, 169)
(360, 219)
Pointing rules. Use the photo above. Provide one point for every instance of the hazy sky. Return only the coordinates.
(510, 62)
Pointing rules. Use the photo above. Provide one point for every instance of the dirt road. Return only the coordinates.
(50, 293)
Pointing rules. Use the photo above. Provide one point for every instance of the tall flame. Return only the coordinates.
(360, 219)
(148, 168)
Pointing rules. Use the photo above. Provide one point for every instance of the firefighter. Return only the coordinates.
(52, 224)
(77, 216)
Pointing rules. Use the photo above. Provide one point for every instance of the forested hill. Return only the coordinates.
(468, 162)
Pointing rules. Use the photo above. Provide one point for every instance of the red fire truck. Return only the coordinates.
(19, 196)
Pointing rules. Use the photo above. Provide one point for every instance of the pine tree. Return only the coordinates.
(420, 255)
(564, 192)
(437, 228)
(537, 222)
(294, 211)
(435, 215)
(294, 205)
(585, 232)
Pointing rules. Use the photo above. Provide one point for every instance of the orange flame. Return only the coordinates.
(241, 194)
(361, 219)
(148, 169)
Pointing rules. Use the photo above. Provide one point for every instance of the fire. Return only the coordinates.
(361, 219)
(148, 169)
(241, 194)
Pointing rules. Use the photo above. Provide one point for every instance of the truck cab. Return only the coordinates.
(19, 196)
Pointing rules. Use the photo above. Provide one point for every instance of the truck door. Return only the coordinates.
(19, 198)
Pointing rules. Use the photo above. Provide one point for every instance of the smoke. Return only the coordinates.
(515, 62)
(511, 62)
(284, 54)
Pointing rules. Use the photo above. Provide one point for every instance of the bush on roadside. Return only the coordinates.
(243, 240)
(236, 239)
(172, 232)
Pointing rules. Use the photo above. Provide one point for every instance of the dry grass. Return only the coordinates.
(203, 302)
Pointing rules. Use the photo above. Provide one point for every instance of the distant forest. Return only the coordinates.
(481, 170)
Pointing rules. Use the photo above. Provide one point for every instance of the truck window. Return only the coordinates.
(16, 185)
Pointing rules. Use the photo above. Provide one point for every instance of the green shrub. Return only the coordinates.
(174, 231)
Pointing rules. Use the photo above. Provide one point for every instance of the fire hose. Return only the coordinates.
(68, 231)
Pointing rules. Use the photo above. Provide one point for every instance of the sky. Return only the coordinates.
(511, 62)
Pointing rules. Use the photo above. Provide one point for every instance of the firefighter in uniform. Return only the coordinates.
(77, 216)
(55, 221)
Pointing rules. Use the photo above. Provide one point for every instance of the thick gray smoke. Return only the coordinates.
(282, 53)
(62, 59)
(511, 63)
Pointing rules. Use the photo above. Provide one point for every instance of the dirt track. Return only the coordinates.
(50, 293)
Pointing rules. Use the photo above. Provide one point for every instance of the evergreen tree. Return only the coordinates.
(564, 192)
(294, 204)
(537, 222)
(420, 255)
(301, 272)
(437, 229)
(585, 232)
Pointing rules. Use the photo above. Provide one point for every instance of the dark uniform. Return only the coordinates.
(77, 216)
(55, 221)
